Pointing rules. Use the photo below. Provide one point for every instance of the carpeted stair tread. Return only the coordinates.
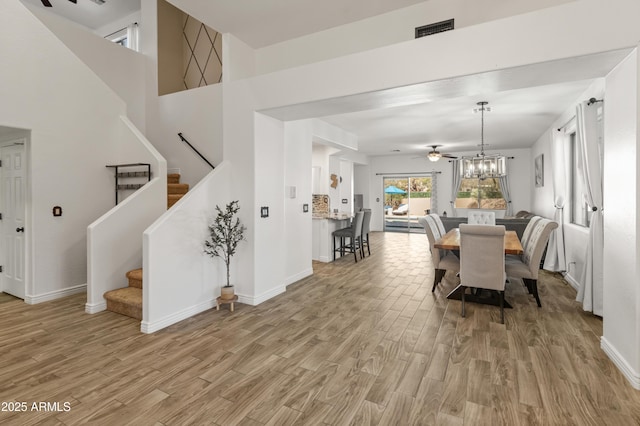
(135, 278)
(126, 301)
(177, 188)
(172, 199)
(173, 178)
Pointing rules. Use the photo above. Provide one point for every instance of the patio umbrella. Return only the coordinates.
(393, 190)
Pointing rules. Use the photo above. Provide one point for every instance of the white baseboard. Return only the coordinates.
(94, 308)
(152, 327)
(175, 170)
(627, 371)
(297, 277)
(568, 278)
(56, 294)
(256, 300)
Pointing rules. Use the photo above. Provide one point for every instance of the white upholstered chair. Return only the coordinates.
(438, 223)
(481, 218)
(443, 260)
(527, 231)
(482, 260)
(528, 265)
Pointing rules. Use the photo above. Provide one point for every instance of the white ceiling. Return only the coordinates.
(516, 120)
(265, 22)
(257, 23)
(525, 102)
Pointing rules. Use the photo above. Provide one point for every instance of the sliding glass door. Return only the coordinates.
(405, 200)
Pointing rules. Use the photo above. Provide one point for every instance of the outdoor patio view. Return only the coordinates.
(480, 193)
(405, 200)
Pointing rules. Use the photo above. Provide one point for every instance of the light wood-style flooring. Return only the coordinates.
(364, 343)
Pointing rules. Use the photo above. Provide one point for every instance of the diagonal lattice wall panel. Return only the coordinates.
(202, 54)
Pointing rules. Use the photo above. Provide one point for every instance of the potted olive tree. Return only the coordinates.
(225, 233)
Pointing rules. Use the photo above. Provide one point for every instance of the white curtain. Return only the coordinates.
(555, 258)
(434, 192)
(455, 185)
(506, 193)
(590, 292)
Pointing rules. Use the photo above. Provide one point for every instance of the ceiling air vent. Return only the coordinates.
(435, 28)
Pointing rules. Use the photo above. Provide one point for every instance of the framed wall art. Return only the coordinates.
(538, 167)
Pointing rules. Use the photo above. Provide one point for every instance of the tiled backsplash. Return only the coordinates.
(320, 204)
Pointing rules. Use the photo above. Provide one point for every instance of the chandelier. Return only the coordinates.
(482, 166)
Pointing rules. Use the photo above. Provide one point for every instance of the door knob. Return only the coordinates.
(21, 229)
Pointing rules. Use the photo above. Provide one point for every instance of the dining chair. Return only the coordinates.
(481, 218)
(439, 223)
(366, 221)
(442, 260)
(527, 266)
(482, 263)
(353, 233)
(527, 231)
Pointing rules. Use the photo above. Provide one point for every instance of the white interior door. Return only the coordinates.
(12, 207)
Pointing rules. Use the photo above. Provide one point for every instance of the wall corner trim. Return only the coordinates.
(94, 308)
(254, 301)
(627, 371)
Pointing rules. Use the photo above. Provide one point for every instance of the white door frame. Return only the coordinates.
(22, 141)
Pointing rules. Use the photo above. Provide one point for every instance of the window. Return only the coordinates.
(480, 194)
(126, 37)
(579, 210)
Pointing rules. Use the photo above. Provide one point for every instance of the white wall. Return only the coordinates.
(542, 200)
(73, 117)
(361, 177)
(180, 280)
(297, 161)
(197, 114)
(387, 29)
(621, 320)
(320, 158)
(269, 279)
(238, 59)
(122, 69)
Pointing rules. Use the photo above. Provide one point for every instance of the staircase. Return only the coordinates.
(128, 300)
(175, 189)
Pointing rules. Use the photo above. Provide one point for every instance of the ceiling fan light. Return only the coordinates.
(434, 156)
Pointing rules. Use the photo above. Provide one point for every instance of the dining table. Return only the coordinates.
(451, 241)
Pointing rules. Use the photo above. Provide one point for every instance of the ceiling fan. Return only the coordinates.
(434, 155)
(47, 3)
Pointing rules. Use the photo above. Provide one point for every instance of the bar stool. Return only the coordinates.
(366, 221)
(354, 233)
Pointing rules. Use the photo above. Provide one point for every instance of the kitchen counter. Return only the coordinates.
(322, 234)
(332, 216)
